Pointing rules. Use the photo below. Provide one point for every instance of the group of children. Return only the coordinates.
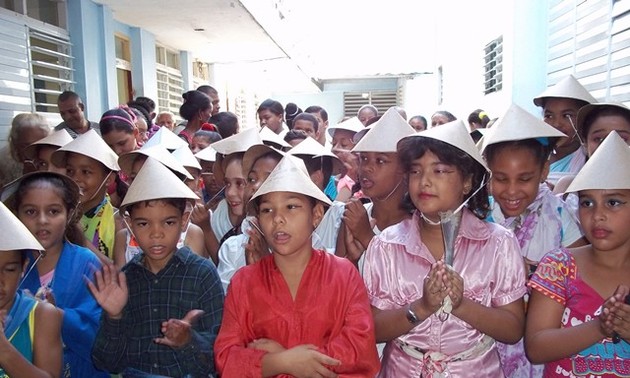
(458, 258)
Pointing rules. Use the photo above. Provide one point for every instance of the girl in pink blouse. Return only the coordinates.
(441, 320)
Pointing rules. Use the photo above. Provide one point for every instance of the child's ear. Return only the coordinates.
(185, 219)
(318, 214)
(111, 178)
(468, 185)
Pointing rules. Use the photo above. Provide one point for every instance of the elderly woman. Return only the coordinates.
(26, 128)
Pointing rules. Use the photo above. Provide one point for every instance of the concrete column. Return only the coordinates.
(143, 68)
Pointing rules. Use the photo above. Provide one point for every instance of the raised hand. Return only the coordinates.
(256, 247)
(110, 290)
(177, 332)
(200, 215)
(356, 219)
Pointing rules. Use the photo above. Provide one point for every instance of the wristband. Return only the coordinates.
(411, 316)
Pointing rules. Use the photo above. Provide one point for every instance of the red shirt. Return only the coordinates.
(331, 310)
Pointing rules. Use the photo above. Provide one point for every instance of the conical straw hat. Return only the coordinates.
(159, 153)
(309, 147)
(353, 124)
(91, 145)
(186, 158)
(270, 138)
(58, 138)
(597, 173)
(207, 154)
(385, 133)
(14, 235)
(568, 87)
(586, 110)
(456, 134)
(518, 124)
(238, 143)
(255, 152)
(9, 190)
(165, 138)
(155, 181)
(290, 175)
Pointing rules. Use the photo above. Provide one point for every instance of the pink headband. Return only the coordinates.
(119, 118)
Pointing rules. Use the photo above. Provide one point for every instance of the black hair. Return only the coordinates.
(602, 111)
(178, 203)
(208, 90)
(479, 117)
(211, 136)
(449, 116)
(290, 112)
(116, 119)
(292, 135)
(73, 232)
(317, 109)
(372, 120)
(539, 150)
(226, 122)
(578, 102)
(421, 119)
(307, 117)
(194, 102)
(371, 107)
(314, 164)
(142, 109)
(68, 95)
(410, 149)
(272, 105)
(145, 102)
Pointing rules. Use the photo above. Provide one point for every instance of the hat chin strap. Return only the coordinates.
(484, 182)
(99, 188)
(42, 254)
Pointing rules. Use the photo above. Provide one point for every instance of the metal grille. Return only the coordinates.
(383, 100)
(170, 88)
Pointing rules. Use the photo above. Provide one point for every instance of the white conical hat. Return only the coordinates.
(385, 133)
(255, 152)
(597, 173)
(314, 149)
(165, 138)
(518, 124)
(186, 158)
(270, 138)
(89, 144)
(238, 142)
(14, 235)
(159, 153)
(11, 188)
(568, 87)
(57, 138)
(290, 175)
(207, 154)
(353, 124)
(456, 134)
(586, 110)
(155, 181)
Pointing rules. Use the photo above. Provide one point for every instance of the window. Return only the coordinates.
(201, 74)
(169, 80)
(493, 66)
(123, 69)
(52, 12)
(353, 101)
(51, 69)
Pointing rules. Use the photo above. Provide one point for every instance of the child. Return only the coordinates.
(203, 139)
(596, 121)
(41, 151)
(163, 310)
(577, 303)
(307, 123)
(271, 114)
(119, 130)
(295, 137)
(407, 278)
(517, 151)
(186, 158)
(342, 136)
(442, 117)
(30, 331)
(211, 190)
(561, 104)
(46, 202)
(93, 166)
(382, 180)
(366, 112)
(298, 311)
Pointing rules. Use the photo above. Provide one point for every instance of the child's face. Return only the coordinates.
(207, 176)
(89, 174)
(199, 143)
(260, 171)
(561, 113)
(138, 162)
(157, 226)
(602, 126)
(604, 216)
(43, 161)
(44, 213)
(271, 120)
(516, 176)
(287, 221)
(307, 127)
(379, 173)
(121, 141)
(235, 187)
(143, 131)
(435, 186)
(11, 269)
